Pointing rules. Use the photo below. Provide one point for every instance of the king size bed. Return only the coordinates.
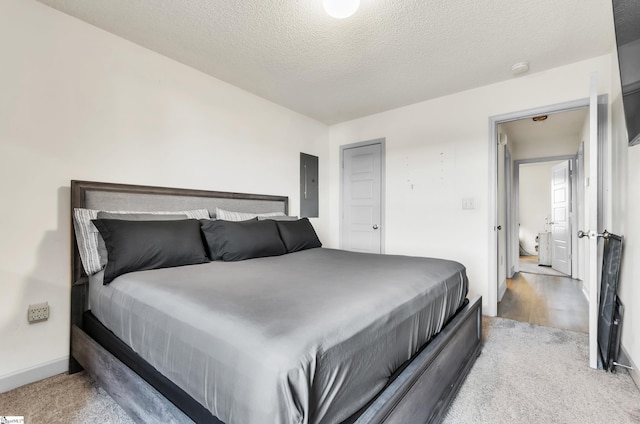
(288, 333)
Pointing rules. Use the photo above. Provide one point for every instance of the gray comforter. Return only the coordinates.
(307, 337)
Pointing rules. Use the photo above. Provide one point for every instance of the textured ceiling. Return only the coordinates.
(558, 126)
(391, 53)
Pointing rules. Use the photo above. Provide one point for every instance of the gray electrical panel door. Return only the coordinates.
(308, 185)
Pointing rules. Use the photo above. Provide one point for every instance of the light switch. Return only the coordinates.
(469, 203)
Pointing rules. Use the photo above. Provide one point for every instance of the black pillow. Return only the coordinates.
(142, 245)
(240, 240)
(102, 248)
(298, 235)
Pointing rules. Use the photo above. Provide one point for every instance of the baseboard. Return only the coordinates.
(502, 290)
(585, 291)
(36, 373)
(625, 359)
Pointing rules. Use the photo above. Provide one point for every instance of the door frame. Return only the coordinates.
(580, 218)
(516, 201)
(508, 213)
(494, 121)
(382, 142)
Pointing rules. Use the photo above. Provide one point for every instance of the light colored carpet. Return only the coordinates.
(532, 374)
(525, 374)
(74, 399)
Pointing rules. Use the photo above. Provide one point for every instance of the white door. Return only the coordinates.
(560, 224)
(361, 199)
(591, 241)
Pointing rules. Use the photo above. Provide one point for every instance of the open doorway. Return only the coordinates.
(596, 203)
(537, 192)
(545, 214)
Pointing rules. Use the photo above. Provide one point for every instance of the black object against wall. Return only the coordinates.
(626, 17)
(308, 186)
(616, 334)
(608, 324)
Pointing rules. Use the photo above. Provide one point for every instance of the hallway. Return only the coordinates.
(547, 300)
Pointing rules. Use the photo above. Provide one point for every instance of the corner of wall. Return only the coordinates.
(585, 289)
(502, 289)
(633, 372)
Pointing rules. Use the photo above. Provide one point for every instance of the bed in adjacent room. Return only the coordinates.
(292, 333)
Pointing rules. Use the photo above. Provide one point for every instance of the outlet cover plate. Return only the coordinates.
(38, 312)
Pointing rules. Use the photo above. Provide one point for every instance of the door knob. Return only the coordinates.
(499, 227)
(593, 234)
(375, 226)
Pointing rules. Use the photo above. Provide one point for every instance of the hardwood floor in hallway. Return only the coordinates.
(529, 265)
(546, 300)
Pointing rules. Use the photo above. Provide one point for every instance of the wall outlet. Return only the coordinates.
(38, 312)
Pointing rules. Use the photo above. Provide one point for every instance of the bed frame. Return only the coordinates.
(420, 391)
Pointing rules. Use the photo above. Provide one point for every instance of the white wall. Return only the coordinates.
(79, 103)
(441, 146)
(629, 290)
(535, 202)
(625, 209)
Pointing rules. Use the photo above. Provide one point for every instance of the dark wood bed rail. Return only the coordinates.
(420, 394)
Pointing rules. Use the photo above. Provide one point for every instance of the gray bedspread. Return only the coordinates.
(307, 337)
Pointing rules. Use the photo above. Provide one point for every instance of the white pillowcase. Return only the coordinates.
(87, 234)
(242, 216)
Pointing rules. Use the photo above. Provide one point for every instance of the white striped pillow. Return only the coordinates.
(242, 216)
(87, 234)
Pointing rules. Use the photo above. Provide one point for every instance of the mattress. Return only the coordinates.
(307, 337)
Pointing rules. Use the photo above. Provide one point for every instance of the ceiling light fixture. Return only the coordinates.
(520, 68)
(540, 118)
(341, 9)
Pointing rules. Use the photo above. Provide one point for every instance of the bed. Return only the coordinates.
(322, 336)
